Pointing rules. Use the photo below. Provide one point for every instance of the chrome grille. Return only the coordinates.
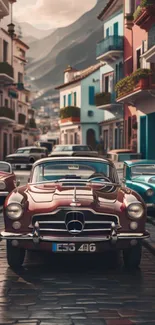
(95, 224)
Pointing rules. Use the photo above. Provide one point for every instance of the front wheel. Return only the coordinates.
(132, 256)
(15, 255)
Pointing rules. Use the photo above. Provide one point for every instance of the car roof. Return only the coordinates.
(72, 145)
(139, 162)
(73, 158)
(32, 147)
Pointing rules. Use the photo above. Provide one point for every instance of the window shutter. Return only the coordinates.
(91, 95)
(69, 100)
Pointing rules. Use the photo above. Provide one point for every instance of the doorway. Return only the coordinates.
(91, 138)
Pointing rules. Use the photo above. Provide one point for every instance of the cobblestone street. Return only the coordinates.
(64, 290)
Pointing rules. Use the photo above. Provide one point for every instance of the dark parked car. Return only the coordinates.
(7, 180)
(26, 156)
(74, 205)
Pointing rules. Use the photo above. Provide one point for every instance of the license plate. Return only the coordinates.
(72, 247)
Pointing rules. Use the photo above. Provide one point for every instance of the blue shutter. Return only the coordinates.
(69, 100)
(91, 95)
(116, 29)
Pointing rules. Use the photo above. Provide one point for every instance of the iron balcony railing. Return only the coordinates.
(110, 43)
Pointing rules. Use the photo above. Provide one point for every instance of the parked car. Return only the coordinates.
(139, 175)
(26, 156)
(74, 153)
(74, 205)
(71, 147)
(7, 180)
(120, 155)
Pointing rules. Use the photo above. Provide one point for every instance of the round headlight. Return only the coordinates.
(2, 186)
(149, 192)
(135, 210)
(14, 211)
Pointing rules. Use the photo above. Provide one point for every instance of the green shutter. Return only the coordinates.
(69, 100)
(91, 95)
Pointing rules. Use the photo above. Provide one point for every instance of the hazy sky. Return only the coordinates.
(51, 13)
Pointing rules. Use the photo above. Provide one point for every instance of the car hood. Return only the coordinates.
(48, 193)
(13, 155)
(145, 180)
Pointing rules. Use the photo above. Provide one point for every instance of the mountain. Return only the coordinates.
(29, 30)
(74, 45)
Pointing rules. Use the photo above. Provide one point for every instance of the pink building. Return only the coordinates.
(137, 90)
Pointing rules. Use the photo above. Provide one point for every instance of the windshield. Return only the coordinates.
(23, 151)
(4, 168)
(63, 148)
(142, 170)
(55, 170)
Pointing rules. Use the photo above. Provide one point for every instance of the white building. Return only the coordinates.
(79, 117)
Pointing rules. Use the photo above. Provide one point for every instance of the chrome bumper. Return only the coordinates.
(37, 239)
(2, 194)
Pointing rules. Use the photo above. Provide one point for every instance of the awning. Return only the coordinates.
(12, 93)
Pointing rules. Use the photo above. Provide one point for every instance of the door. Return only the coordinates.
(107, 84)
(91, 138)
(143, 136)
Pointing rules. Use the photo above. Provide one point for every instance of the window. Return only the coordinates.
(75, 99)
(116, 29)
(107, 32)
(117, 74)
(1, 99)
(6, 102)
(20, 77)
(64, 101)
(138, 58)
(90, 113)
(91, 95)
(106, 84)
(69, 100)
(5, 51)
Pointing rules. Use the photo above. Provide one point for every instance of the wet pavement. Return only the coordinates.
(83, 290)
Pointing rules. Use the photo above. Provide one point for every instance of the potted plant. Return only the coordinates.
(141, 78)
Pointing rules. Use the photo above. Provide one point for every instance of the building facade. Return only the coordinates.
(137, 90)
(110, 52)
(79, 117)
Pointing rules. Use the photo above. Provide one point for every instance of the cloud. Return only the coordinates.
(55, 13)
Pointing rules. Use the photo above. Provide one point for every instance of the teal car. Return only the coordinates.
(139, 175)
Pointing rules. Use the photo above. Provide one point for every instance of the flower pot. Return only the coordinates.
(143, 83)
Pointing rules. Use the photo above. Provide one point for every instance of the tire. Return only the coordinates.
(15, 255)
(132, 256)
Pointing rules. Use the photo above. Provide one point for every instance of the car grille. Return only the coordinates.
(94, 224)
(18, 160)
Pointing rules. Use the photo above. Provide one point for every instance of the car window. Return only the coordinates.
(26, 151)
(124, 171)
(55, 170)
(35, 150)
(143, 170)
(4, 167)
(63, 148)
(81, 148)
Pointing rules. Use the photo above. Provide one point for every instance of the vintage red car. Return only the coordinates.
(74, 205)
(7, 180)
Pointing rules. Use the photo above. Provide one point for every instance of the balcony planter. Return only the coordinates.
(144, 14)
(138, 79)
(102, 99)
(71, 119)
(70, 112)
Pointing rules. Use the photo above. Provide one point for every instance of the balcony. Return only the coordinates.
(144, 15)
(7, 115)
(21, 119)
(4, 8)
(110, 48)
(6, 72)
(70, 114)
(135, 87)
